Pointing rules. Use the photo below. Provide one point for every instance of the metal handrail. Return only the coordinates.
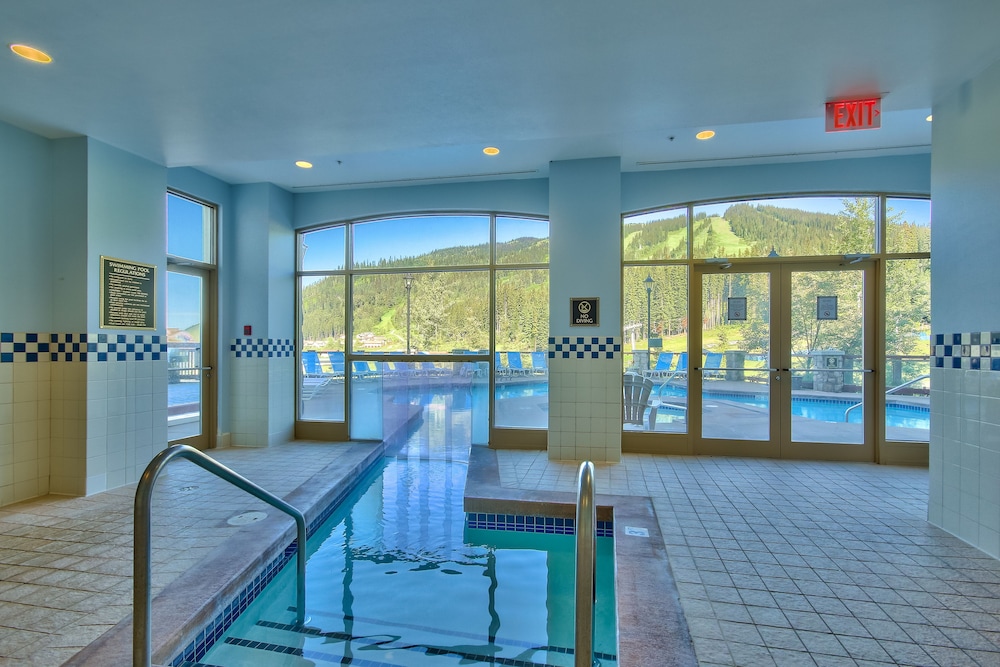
(890, 391)
(142, 569)
(586, 545)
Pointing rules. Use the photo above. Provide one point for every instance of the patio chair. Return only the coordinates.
(515, 364)
(635, 401)
(362, 370)
(336, 359)
(313, 377)
(662, 367)
(540, 363)
(713, 362)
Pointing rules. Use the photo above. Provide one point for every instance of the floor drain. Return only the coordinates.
(186, 489)
(246, 518)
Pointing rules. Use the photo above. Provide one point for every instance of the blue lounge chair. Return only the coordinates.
(713, 362)
(540, 362)
(515, 365)
(336, 359)
(361, 370)
(498, 367)
(662, 367)
(313, 377)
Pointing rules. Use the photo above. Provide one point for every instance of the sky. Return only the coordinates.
(410, 236)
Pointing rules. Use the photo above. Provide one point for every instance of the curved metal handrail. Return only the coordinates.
(586, 545)
(142, 569)
(890, 391)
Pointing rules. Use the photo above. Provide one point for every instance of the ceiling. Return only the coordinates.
(393, 92)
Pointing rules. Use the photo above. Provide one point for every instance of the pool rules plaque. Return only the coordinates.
(128, 294)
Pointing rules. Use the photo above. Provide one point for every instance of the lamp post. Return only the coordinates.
(649, 320)
(408, 283)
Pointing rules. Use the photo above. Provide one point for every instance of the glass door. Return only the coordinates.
(784, 361)
(190, 357)
(829, 360)
(734, 394)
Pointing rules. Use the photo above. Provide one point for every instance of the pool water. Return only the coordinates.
(823, 409)
(395, 578)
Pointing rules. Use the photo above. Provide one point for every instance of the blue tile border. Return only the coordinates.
(522, 523)
(976, 351)
(262, 347)
(585, 347)
(24, 347)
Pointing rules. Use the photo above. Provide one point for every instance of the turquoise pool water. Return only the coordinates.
(395, 578)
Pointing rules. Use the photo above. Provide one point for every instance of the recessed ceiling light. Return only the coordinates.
(705, 134)
(929, 118)
(31, 53)
(491, 150)
(304, 165)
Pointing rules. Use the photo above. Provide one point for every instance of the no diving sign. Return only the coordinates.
(584, 312)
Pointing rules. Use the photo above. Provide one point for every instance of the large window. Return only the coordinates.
(734, 251)
(394, 308)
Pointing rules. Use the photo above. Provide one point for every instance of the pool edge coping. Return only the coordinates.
(215, 580)
(652, 629)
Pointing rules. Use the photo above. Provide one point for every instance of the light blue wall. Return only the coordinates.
(585, 242)
(26, 225)
(247, 275)
(965, 236)
(68, 300)
(528, 197)
(127, 219)
(909, 174)
(281, 265)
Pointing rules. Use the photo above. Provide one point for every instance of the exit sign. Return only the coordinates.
(848, 115)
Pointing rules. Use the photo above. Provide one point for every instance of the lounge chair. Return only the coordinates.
(713, 364)
(362, 370)
(636, 391)
(313, 377)
(498, 367)
(662, 367)
(336, 359)
(540, 363)
(515, 364)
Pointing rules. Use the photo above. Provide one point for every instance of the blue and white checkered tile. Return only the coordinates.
(262, 347)
(35, 347)
(520, 523)
(976, 351)
(584, 347)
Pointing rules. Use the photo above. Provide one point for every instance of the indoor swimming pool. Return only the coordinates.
(396, 577)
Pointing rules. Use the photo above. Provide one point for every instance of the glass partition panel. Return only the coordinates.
(322, 250)
(907, 225)
(655, 340)
(422, 241)
(788, 227)
(521, 360)
(907, 341)
(428, 312)
(657, 235)
(321, 392)
(190, 229)
(522, 241)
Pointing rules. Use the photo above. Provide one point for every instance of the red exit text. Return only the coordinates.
(854, 115)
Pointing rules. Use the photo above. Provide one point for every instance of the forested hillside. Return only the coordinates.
(449, 308)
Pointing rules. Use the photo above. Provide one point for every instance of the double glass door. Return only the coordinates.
(786, 363)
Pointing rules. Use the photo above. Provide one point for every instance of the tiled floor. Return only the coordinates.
(804, 563)
(66, 563)
(776, 562)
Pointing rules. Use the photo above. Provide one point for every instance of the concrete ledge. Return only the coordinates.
(652, 629)
(187, 604)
